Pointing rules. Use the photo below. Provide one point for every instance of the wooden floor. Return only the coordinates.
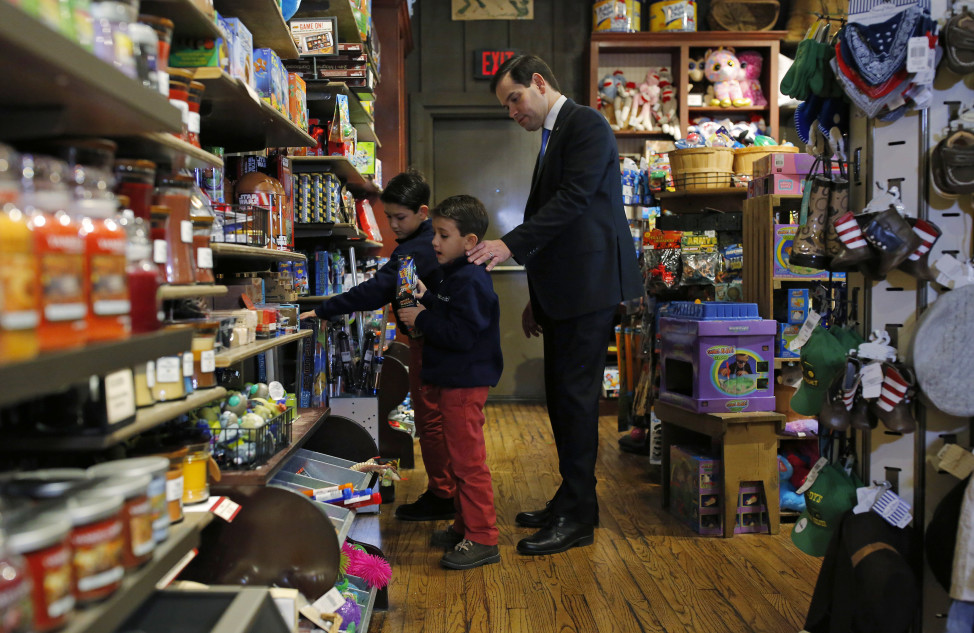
(645, 572)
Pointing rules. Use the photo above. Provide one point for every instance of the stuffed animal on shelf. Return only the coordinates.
(607, 97)
(750, 77)
(722, 69)
(667, 119)
(788, 497)
(625, 92)
(644, 103)
(697, 85)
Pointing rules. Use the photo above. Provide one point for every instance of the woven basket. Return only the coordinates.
(743, 15)
(745, 157)
(701, 167)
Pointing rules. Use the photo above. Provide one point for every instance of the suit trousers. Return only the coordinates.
(462, 412)
(429, 427)
(574, 362)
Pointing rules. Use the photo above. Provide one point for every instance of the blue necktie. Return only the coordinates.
(545, 133)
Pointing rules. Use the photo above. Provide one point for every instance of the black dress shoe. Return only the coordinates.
(536, 518)
(562, 534)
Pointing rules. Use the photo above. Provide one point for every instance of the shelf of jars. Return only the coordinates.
(303, 427)
(190, 19)
(188, 292)
(140, 584)
(235, 118)
(341, 167)
(321, 105)
(236, 354)
(145, 420)
(54, 371)
(166, 149)
(52, 86)
(264, 20)
(223, 249)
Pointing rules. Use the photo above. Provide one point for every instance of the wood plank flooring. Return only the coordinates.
(646, 571)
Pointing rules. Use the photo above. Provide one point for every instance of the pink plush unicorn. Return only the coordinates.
(750, 77)
(722, 68)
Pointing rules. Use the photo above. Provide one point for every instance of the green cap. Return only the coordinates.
(822, 358)
(848, 337)
(832, 494)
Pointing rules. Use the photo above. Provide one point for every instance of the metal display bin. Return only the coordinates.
(341, 518)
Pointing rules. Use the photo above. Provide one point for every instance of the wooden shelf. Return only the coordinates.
(237, 354)
(720, 191)
(321, 105)
(302, 428)
(341, 167)
(190, 21)
(264, 20)
(235, 118)
(185, 292)
(305, 230)
(730, 110)
(623, 42)
(138, 585)
(52, 86)
(145, 419)
(223, 249)
(166, 149)
(780, 362)
(52, 372)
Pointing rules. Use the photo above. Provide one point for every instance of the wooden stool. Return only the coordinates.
(747, 444)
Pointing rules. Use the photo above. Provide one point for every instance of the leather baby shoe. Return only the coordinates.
(958, 41)
(833, 414)
(917, 263)
(894, 240)
(952, 163)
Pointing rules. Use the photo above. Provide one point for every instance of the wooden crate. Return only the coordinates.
(758, 225)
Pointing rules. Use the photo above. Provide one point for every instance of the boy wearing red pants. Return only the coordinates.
(460, 322)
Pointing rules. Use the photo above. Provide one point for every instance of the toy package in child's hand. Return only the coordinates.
(406, 290)
(701, 259)
(661, 255)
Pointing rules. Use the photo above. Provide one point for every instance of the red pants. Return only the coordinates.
(429, 426)
(462, 413)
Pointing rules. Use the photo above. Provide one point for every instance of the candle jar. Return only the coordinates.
(196, 89)
(43, 542)
(135, 180)
(136, 515)
(145, 380)
(173, 191)
(179, 80)
(156, 468)
(174, 483)
(196, 487)
(169, 379)
(96, 543)
(204, 356)
(202, 229)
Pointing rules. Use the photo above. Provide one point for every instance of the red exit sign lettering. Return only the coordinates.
(486, 61)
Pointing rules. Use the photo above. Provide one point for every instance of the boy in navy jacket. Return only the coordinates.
(406, 201)
(460, 322)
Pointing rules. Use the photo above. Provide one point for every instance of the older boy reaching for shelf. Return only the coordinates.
(462, 359)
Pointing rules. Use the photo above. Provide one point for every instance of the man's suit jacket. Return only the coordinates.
(575, 242)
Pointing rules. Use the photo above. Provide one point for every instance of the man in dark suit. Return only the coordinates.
(576, 247)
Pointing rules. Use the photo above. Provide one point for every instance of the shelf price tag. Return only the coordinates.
(204, 257)
(226, 509)
(330, 602)
(167, 369)
(177, 569)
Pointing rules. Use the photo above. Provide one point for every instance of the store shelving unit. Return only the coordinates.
(166, 149)
(321, 104)
(191, 21)
(52, 86)
(242, 251)
(236, 354)
(341, 167)
(139, 585)
(314, 298)
(265, 22)
(184, 292)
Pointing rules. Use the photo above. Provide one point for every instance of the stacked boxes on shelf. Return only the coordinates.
(752, 511)
(320, 197)
(272, 80)
(329, 273)
(695, 489)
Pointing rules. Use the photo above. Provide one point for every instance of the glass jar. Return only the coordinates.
(112, 41)
(156, 468)
(169, 379)
(163, 28)
(174, 193)
(202, 229)
(196, 487)
(43, 542)
(144, 375)
(15, 598)
(204, 356)
(196, 89)
(136, 515)
(179, 80)
(174, 483)
(96, 541)
(144, 278)
(146, 45)
(136, 179)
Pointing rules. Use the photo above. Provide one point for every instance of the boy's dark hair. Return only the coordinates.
(521, 68)
(408, 189)
(468, 212)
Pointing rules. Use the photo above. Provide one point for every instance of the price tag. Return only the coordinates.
(119, 396)
(330, 602)
(160, 252)
(150, 374)
(918, 54)
(892, 508)
(167, 369)
(812, 475)
(204, 257)
(174, 489)
(226, 509)
(872, 380)
(207, 361)
(187, 363)
(806, 331)
(186, 232)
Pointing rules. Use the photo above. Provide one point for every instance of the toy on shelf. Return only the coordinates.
(625, 93)
(697, 88)
(645, 102)
(666, 117)
(750, 77)
(722, 69)
(790, 499)
(607, 98)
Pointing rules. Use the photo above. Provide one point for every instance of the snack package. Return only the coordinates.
(405, 293)
(701, 259)
(661, 256)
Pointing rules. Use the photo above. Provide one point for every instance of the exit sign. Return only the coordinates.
(486, 61)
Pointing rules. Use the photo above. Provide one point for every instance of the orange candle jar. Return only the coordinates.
(19, 314)
(136, 516)
(196, 487)
(96, 542)
(174, 192)
(202, 228)
(43, 542)
(179, 80)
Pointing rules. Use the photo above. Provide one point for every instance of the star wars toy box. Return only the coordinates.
(695, 489)
(717, 357)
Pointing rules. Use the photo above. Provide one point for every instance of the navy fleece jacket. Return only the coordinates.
(381, 289)
(461, 329)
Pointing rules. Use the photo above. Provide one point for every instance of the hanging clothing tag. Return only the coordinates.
(806, 331)
(872, 380)
(891, 507)
(918, 55)
(866, 497)
(812, 475)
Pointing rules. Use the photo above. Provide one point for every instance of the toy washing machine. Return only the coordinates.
(717, 357)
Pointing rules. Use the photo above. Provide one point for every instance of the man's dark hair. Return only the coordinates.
(468, 212)
(521, 68)
(408, 189)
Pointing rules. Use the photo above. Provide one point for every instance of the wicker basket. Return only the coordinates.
(743, 15)
(701, 168)
(745, 157)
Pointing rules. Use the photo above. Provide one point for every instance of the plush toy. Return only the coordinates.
(698, 82)
(371, 568)
(789, 499)
(667, 119)
(750, 77)
(625, 90)
(607, 97)
(722, 69)
(644, 103)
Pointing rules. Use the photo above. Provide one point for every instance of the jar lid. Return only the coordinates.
(128, 486)
(38, 532)
(198, 86)
(157, 22)
(203, 219)
(154, 466)
(159, 209)
(49, 483)
(90, 506)
(136, 165)
(175, 180)
(182, 73)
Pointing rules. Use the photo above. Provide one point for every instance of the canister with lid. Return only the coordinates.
(156, 468)
(15, 596)
(43, 542)
(136, 516)
(46, 483)
(97, 542)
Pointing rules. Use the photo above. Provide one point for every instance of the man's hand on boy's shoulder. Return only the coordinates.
(491, 253)
(408, 315)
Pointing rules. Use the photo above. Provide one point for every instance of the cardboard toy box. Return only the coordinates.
(776, 185)
(797, 305)
(280, 86)
(241, 50)
(695, 494)
(786, 334)
(364, 158)
(298, 100)
(792, 164)
(265, 60)
(752, 511)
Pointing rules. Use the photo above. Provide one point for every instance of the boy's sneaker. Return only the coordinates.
(428, 507)
(447, 539)
(467, 555)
